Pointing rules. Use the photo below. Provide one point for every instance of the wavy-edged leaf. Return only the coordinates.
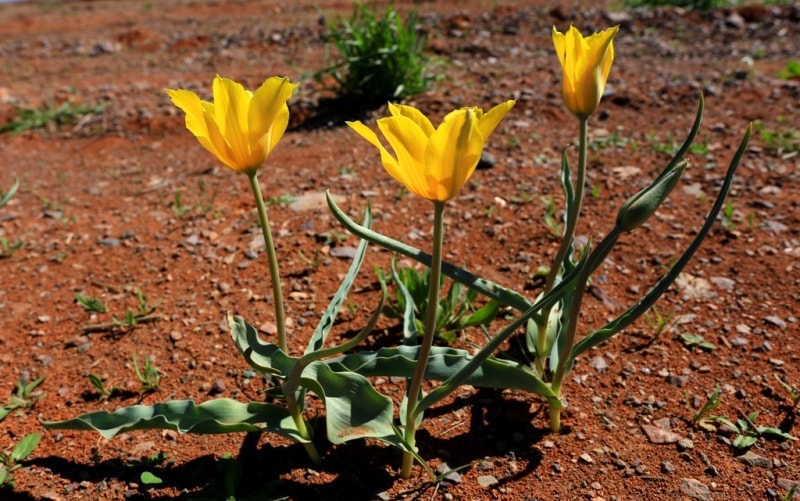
(400, 361)
(221, 415)
(353, 407)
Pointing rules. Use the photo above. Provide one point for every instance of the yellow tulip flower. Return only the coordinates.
(240, 127)
(585, 65)
(433, 163)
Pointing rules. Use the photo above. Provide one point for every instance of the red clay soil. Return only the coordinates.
(126, 200)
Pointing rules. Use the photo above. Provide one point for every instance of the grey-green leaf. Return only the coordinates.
(222, 415)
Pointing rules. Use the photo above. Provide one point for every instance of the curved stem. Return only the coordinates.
(302, 429)
(415, 385)
(275, 277)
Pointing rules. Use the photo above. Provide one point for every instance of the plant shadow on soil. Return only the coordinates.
(354, 471)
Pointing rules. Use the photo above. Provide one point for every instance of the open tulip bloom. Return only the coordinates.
(241, 128)
(433, 163)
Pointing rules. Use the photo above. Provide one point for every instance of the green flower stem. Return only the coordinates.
(566, 355)
(302, 429)
(415, 386)
(277, 294)
(569, 234)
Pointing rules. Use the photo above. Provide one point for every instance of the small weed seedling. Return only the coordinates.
(794, 393)
(48, 116)
(659, 323)
(281, 201)
(697, 341)
(551, 220)
(90, 303)
(104, 391)
(157, 460)
(703, 417)
(9, 461)
(456, 311)
(27, 394)
(727, 216)
(147, 374)
(792, 70)
(748, 433)
(131, 318)
(7, 248)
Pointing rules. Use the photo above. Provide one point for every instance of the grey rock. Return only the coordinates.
(667, 467)
(695, 489)
(487, 161)
(345, 252)
(685, 444)
(487, 481)
(724, 283)
(776, 321)
(786, 484)
(676, 380)
(658, 435)
(598, 363)
(752, 459)
(450, 475)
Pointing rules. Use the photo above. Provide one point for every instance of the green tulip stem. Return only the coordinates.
(574, 211)
(415, 386)
(263, 220)
(566, 242)
(566, 355)
(297, 416)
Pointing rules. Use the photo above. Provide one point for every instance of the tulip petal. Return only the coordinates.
(191, 104)
(408, 141)
(489, 121)
(414, 114)
(231, 103)
(453, 153)
(269, 114)
(388, 161)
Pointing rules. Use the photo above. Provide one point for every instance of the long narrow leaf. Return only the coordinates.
(317, 340)
(637, 309)
(485, 287)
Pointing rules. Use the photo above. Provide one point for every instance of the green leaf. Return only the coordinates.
(400, 361)
(214, 416)
(638, 308)
(483, 286)
(326, 322)
(354, 409)
(148, 478)
(10, 193)
(25, 446)
(776, 432)
(744, 441)
(5, 410)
